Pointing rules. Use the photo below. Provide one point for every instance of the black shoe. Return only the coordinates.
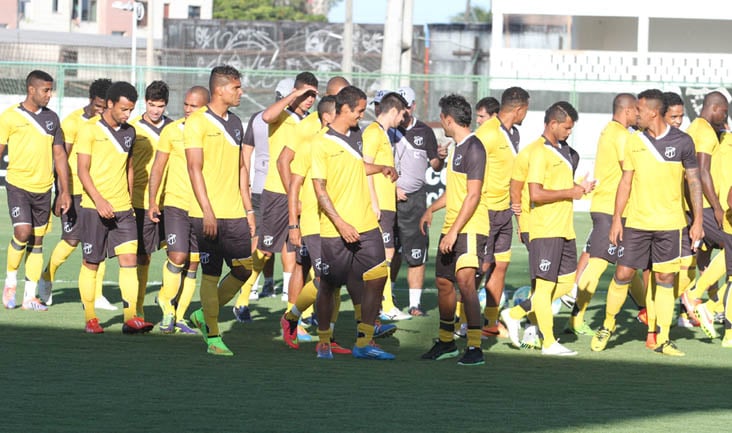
(472, 356)
(267, 290)
(416, 311)
(442, 350)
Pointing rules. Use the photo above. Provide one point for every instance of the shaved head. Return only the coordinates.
(623, 101)
(714, 98)
(200, 91)
(335, 85)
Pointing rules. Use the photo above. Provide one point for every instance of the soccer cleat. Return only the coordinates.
(103, 303)
(472, 356)
(512, 326)
(706, 320)
(9, 297)
(198, 320)
(136, 325)
(600, 339)
(394, 314)
(568, 300)
(217, 347)
(182, 327)
(302, 335)
(267, 289)
(254, 295)
(416, 311)
(668, 348)
(324, 351)
(690, 305)
(557, 349)
(289, 331)
(338, 349)
(285, 297)
(167, 325)
(45, 291)
(441, 350)
(93, 327)
(33, 304)
(498, 330)
(643, 316)
(531, 338)
(462, 332)
(371, 352)
(582, 329)
(684, 322)
(242, 314)
(718, 318)
(651, 340)
(384, 330)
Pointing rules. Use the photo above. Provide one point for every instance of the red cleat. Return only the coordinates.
(651, 341)
(643, 316)
(136, 325)
(338, 349)
(93, 327)
(289, 332)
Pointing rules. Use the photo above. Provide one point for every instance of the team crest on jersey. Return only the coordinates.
(128, 141)
(670, 152)
(49, 125)
(268, 240)
(458, 160)
(544, 265)
(205, 258)
(386, 236)
(621, 251)
(418, 140)
(416, 253)
(318, 264)
(15, 211)
(68, 227)
(360, 146)
(172, 239)
(88, 248)
(324, 268)
(611, 249)
(237, 135)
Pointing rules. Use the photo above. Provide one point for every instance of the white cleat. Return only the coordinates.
(285, 297)
(557, 349)
(513, 326)
(45, 292)
(394, 314)
(103, 303)
(254, 295)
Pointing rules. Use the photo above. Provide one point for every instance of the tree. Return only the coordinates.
(271, 10)
(474, 14)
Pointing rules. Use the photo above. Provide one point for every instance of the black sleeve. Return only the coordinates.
(430, 142)
(688, 154)
(475, 160)
(249, 135)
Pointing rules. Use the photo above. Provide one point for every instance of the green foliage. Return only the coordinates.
(477, 15)
(263, 10)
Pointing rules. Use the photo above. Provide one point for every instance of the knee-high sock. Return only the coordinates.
(490, 315)
(186, 294)
(727, 300)
(128, 285)
(60, 254)
(258, 262)
(686, 276)
(664, 301)
(586, 289)
(446, 332)
(87, 283)
(142, 272)
(542, 307)
(210, 303)
(364, 334)
(387, 302)
(228, 287)
(34, 264)
(617, 291)
(100, 279)
(16, 253)
(651, 305)
(305, 300)
(717, 306)
(711, 275)
(337, 307)
(637, 291)
(172, 274)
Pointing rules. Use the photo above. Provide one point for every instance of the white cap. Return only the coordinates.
(380, 94)
(408, 94)
(284, 87)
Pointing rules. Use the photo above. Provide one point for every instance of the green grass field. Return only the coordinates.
(58, 379)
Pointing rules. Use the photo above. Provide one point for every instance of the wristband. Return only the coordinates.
(250, 211)
(293, 226)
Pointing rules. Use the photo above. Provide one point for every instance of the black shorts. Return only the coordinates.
(728, 254)
(499, 236)
(686, 243)
(713, 235)
(274, 223)
(309, 253)
(359, 260)
(29, 208)
(178, 231)
(149, 233)
(387, 223)
(414, 245)
(551, 257)
(660, 250)
(525, 239)
(71, 220)
(106, 238)
(257, 208)
(468, 252)
(233, 243)
(598, 241)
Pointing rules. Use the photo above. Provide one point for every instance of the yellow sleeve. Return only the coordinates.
(628, 158)
(193, 133)
(301, 164)
(165, 139)
(371, 142)
(537, 166)
(319, 167)
(85, 139)
(5, 128)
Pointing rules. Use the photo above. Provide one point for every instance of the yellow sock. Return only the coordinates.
(210, 303)
(637, 290)
(446, 332)
(60, 254)
(186, 294)
(586, 289)
(142, 272)
(718, 305)
(337, 306)
(324, 336)
(517, 312)
(100, 279)
(617, 292)
(16, 253)
(228, 287)
(34, 264)
(308, 312)
(357, 312)
(128, 285)
(474, 335)
(711, 275)
(651, 305)
(542, 307)
(686, 276)
(365, 334)
(490, 314)
(87, 282)
(664, 302)
(387, 302)
(171, 283)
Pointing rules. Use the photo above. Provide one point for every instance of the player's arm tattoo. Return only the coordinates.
(324, 200)
(695, 189)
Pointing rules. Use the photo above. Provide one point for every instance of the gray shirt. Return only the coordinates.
(414, 148)
(257, 136)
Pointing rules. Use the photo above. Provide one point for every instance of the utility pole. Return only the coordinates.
(347, 65)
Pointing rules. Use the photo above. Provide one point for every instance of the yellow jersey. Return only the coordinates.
(501, 146)
(465, 162)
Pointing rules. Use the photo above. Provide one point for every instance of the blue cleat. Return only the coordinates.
(371, 352)
(324, 351)
(243, 314)
(384, 330)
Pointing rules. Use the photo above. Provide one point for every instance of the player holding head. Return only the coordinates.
(221, 214)
(486, 109)
(182, 248)
(35, 142)
(462, 241)
(70, 229)
(654, 215)
(108, 223)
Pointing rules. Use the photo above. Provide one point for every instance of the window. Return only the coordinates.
(194, 12)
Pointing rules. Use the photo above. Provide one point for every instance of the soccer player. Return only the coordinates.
(104, 148)
(352, 249)
(486, 109)
(35, 142)
(462, 242)
(377, 150)
(70, 229)
(283, 117)
(608, 170)
(552, 246)
(148, 128)
(183, 256)
(221, 214)
(655, 216)
(415, 149)
(501, 138)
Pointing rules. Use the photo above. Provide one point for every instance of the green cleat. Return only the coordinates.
(199, 321)
(217, 347)
(167, 325)
(582, 329)
(600, 339)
